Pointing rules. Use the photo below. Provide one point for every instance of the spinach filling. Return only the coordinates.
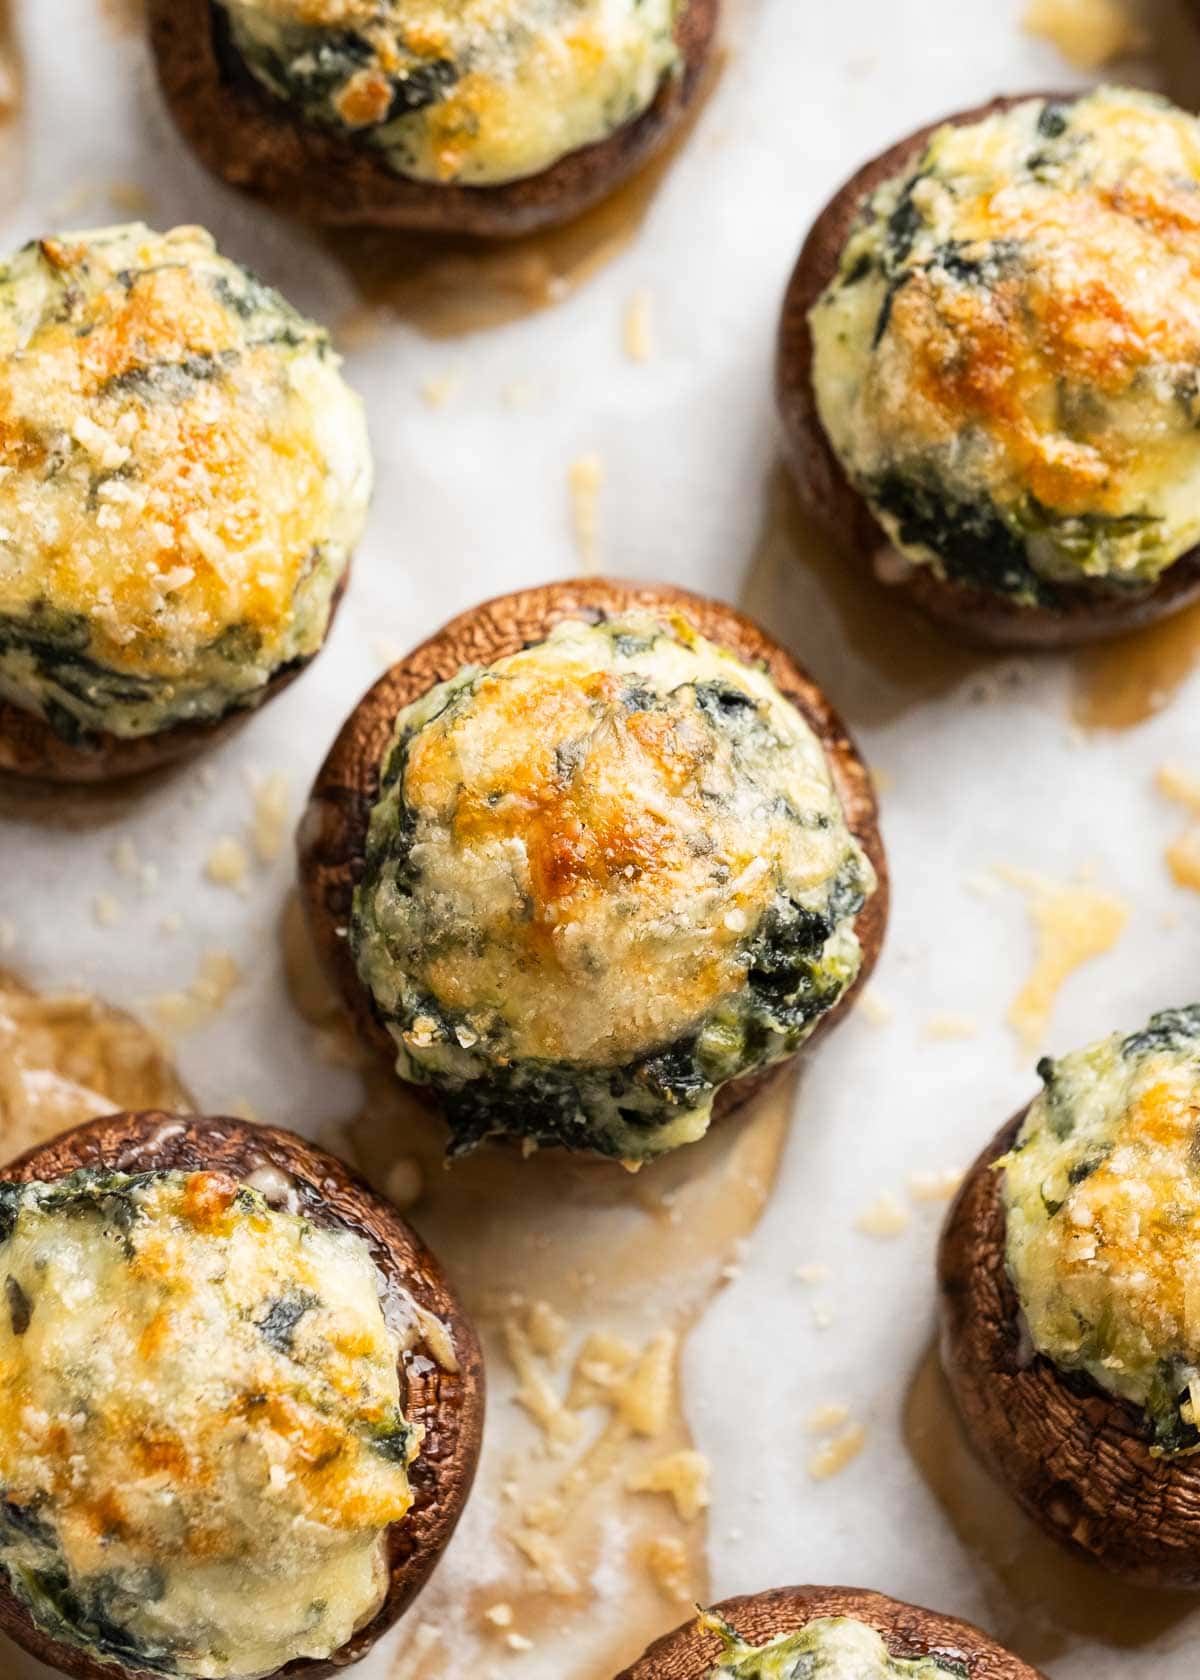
(1102, 1209)
(794, 961)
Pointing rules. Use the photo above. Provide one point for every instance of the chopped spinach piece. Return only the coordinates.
(1170, 1029)
(278, 1327)
(20, 1308)
(972, 540)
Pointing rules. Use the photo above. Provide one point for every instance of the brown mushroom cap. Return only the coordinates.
(908, 1631)
(30, 748)
(333, 833)
(1075, 1458)
(1087, 613)
(448, 1404)
(255, 142)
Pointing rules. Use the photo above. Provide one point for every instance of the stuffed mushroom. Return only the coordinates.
(1070, 1276)
(988, 362)
(240, 1409)
(826, 1633)
(183, 477)
(489, 117)
(592, 862)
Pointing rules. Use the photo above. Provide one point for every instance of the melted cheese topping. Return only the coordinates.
(1102, 1197)
(591, 851)
(476, 91)
(183, 475)
(1006, 363)
(836, 1647)
(200, 1437)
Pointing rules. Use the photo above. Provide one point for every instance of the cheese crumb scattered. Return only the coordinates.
(499, 1615)
(1073, 924)
(125, 859)
(886, 1217)
(667, 1565)
(518, 1642)
(835, 1455)
(217, 976)
(948, 1024)
(270, 816)
(822, 1317)
(683, 1476)
(1088, 33)
(937, 1186)
(875, 1009)
(106, 910)
(440, 392)
(585, 478)
(405, 1183)
(639, 326)
(227, 864)
(1183, 854)
(823, 1420)
(811, 1273)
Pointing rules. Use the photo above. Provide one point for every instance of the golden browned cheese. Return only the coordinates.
(1103, 1213)
(1009, 351)
(183, 475)
(585, 853)
(199, 1421)
(479, 91)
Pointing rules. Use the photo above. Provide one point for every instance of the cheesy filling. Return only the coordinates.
(833, 1648)
(604, 876)
(1102, 1201)
(201, 1441)
(1007, 363)
(472, 91)
(183, 476)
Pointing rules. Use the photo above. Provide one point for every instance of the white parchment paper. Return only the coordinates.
(472, 499)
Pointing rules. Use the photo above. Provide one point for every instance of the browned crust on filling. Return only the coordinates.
(333, 833)
(1088, 612)
(908, 1631)
(1076, 1459)
(30, 747)
(253, 141)
(449, 1404)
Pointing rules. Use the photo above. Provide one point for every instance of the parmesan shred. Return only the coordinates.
(585, 478)
(1182, 787)
(835, 1455)
(639, 326)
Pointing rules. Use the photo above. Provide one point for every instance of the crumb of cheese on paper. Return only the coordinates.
(835, 1455)
(585, 476)
(886, 1217)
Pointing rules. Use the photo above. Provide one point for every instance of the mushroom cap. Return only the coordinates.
(333, 832)
(252, 141)
(32, 750)
(980, 616)
(1075, 1458)
(449, 1404)
(908, 1631)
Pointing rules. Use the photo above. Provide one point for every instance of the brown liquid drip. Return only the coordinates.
(447, 287)
(1041, 1601)
(68, 1058)
(873, 653)
(636, 1256)
(1122, 683)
